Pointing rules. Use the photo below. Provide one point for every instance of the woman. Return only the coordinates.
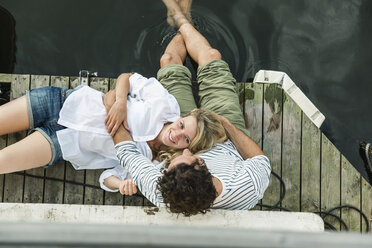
(40, 109)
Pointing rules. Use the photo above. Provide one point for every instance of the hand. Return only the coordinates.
(224, 121)
(109, 99)
(117, 116)
(127, 187)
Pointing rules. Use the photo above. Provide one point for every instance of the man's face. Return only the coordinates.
(188, 158)
(180, 133)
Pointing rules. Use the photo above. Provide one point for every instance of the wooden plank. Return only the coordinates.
(252, 106)
(13, 186)
(74, 82)
(54, 189)
(146, 202)
(113, 198)
(310, 179)
(134, 200)
(5, 78)
(34, 187)
(74, 194)
(112, 83)
(291, 154)
(330, 179)
(3, 139)
(253, 111)
(95, 196)
(366, 204)
(350, 195)
(272, 136)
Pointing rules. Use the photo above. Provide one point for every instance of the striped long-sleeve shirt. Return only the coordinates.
(243, 181)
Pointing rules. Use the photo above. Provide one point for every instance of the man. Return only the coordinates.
(233, 175)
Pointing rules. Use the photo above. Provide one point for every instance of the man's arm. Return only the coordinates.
(246, 146)
(122, 135)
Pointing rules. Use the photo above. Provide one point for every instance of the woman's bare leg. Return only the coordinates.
(14, 116)
(31, 152)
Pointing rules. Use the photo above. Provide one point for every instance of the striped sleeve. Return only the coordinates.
(145, 174)
(259, 170)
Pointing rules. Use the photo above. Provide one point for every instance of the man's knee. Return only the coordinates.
(209, 55)
(169, 59)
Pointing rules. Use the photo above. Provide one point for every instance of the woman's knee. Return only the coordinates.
(170, 59)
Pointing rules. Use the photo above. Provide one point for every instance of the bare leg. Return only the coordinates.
(184, 7)
(174, 76)
(197, 46)
(31, 152)
(14, 116)
(175, 53)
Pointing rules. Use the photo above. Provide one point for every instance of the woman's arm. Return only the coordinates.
(118, 112)
(126, 187)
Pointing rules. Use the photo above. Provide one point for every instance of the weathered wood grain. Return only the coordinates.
(95, 196)
(272, 136)
(34, 187)
(252, 106)
(3, 139)
(74, 194)
(74, 82)
(367, 203)
(310, 180)
(330, 179)
(92, 195)
(112, 83)
(350, 194)
(291, 154)
(317, 177)
(253, 111)
(113, 198)
(4, 78)
(13, 186)
(146, 202)
(134, 200)
(54, 190)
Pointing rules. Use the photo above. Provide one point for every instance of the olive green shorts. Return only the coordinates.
(217, 89)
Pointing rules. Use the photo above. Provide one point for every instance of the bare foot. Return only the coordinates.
(175, 14)
(185, 6)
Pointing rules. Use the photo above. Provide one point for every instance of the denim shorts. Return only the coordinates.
(44, 105)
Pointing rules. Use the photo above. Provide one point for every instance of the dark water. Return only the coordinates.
(324, 46)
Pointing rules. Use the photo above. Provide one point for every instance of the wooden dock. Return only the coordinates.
(317, 177)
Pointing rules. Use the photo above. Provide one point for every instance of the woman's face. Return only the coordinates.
(179, 134)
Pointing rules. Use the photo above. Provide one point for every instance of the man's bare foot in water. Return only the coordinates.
(178, 12)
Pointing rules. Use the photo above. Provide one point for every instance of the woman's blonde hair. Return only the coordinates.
(209, 132)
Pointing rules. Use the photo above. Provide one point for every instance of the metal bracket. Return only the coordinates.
(84, 76)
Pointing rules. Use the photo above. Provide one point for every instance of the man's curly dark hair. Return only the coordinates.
(187, 189)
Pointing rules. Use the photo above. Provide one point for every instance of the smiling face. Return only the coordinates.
(180, 133)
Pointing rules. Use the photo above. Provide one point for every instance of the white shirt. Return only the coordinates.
(243, 181)
(87, 144)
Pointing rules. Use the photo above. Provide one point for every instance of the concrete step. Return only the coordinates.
(104, 214)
